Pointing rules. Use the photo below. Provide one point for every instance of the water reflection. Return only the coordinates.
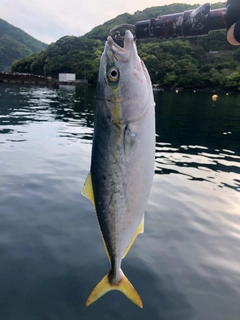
(198, 140)
(21, 106)
(190, 119)
(220, 168)
(194, 138)
(185, 266)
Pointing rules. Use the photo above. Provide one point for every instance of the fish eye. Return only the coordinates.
(113, 74)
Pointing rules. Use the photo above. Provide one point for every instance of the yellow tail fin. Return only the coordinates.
(124, 286)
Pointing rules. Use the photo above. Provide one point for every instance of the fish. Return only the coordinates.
(123, 157)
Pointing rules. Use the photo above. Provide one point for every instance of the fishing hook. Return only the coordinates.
(116, 30)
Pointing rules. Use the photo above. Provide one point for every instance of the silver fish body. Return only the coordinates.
(122, 164)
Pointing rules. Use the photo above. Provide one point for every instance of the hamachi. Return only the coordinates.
(122, 163)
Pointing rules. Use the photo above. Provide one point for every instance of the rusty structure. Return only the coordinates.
(24, 78)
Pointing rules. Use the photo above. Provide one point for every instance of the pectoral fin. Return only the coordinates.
(140, 229)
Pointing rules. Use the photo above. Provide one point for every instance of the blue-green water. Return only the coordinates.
(186, 266)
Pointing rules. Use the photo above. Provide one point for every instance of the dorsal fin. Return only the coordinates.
(87, 189)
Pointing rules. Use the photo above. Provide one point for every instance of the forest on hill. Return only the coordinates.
(16, 44)
(171, 63)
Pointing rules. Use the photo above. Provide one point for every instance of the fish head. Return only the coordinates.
(124, 83)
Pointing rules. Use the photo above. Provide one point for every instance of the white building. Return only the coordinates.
(66, 77)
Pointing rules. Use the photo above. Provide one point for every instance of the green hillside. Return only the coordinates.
(15, 44)
(172, 63)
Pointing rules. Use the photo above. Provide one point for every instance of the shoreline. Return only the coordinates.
(33, 79)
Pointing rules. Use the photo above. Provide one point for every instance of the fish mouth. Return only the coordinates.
(122, 53)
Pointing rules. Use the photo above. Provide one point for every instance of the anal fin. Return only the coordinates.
(142, 225)
(140, 229)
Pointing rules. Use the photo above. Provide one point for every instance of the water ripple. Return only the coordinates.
(221, 169)
(185, 265)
